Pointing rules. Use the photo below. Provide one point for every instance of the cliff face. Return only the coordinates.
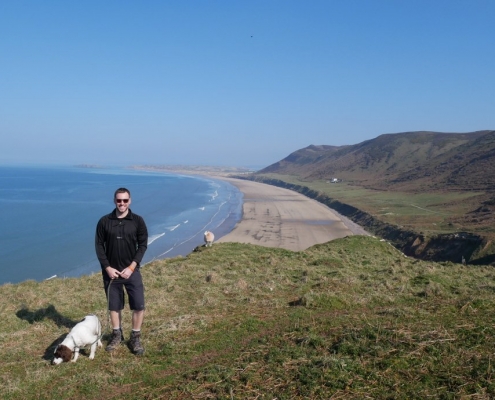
(449, 247)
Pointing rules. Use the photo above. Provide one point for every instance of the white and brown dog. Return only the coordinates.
(85, 333)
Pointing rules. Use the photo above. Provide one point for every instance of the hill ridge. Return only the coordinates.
(400, 160)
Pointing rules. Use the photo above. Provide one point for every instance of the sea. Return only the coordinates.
(48, 216)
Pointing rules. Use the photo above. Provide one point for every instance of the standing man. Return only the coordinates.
(121, 241)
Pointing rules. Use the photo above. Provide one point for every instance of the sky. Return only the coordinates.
(235, 83)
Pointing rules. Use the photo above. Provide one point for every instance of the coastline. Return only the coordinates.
(281, 218)
(177, 212)
(272, 216)
(289, 224)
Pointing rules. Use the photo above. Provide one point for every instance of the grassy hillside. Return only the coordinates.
(409, 161)
(349, 319)
(433, 225)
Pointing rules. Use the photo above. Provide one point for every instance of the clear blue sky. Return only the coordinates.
(241, 83)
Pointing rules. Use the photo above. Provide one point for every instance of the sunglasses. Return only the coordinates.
(122, 200)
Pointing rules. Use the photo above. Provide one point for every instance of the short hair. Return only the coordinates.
(121, 190)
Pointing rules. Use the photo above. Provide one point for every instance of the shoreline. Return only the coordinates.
(271, 216)
(275, 217)
(281, 218)
(288, 224)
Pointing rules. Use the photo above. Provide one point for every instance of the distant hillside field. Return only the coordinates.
(425, 182)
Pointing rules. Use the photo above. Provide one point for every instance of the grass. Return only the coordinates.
(430, 212)
(349, 319)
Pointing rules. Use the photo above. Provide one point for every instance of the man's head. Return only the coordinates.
(122, 200)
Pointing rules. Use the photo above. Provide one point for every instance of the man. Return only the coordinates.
(121, 240)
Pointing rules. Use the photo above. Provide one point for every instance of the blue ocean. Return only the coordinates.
(49, 216)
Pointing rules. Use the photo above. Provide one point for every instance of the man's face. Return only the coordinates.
(122, 202)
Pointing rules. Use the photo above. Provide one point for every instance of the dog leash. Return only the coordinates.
(108, 302)
(100, 334)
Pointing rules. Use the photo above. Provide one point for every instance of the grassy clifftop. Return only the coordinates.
(352, 318)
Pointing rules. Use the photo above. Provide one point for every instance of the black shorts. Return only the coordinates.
(114, 289)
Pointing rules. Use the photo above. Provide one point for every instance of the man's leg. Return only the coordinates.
(135, 290)
(137, 320)
(135, 342)
(116, 319)
(117, 336)
(115, 296)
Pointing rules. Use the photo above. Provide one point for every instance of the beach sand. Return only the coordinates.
(277, 217)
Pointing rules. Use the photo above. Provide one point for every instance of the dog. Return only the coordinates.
(84, 333)
(209, 237)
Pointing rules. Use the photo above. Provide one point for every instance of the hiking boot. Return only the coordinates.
(135, 343)
(115, 340)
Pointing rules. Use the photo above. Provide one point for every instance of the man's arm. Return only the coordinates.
(142, 241)
(100, 239)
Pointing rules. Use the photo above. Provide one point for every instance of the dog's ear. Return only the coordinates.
(63, 352)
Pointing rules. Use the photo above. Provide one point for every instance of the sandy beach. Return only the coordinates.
(277, 217)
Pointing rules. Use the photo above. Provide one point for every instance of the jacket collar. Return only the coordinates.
(113, 215)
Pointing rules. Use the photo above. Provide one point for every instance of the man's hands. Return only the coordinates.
(114, 273)
(126, 273)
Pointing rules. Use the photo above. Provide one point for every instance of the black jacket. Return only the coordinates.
(120, 241)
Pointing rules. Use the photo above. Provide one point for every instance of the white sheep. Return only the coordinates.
(209, 237)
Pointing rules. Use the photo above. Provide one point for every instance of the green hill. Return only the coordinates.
(404, 161)
(350, 319)
(431, 194)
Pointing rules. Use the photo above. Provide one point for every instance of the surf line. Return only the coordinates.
(154, 237)
(200, 231)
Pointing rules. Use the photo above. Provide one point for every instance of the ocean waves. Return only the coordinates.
(181, 239)
(58, 239)
(151, 239)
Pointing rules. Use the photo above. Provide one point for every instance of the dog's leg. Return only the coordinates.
(76, 354)
(93, 350)
(99, 343)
